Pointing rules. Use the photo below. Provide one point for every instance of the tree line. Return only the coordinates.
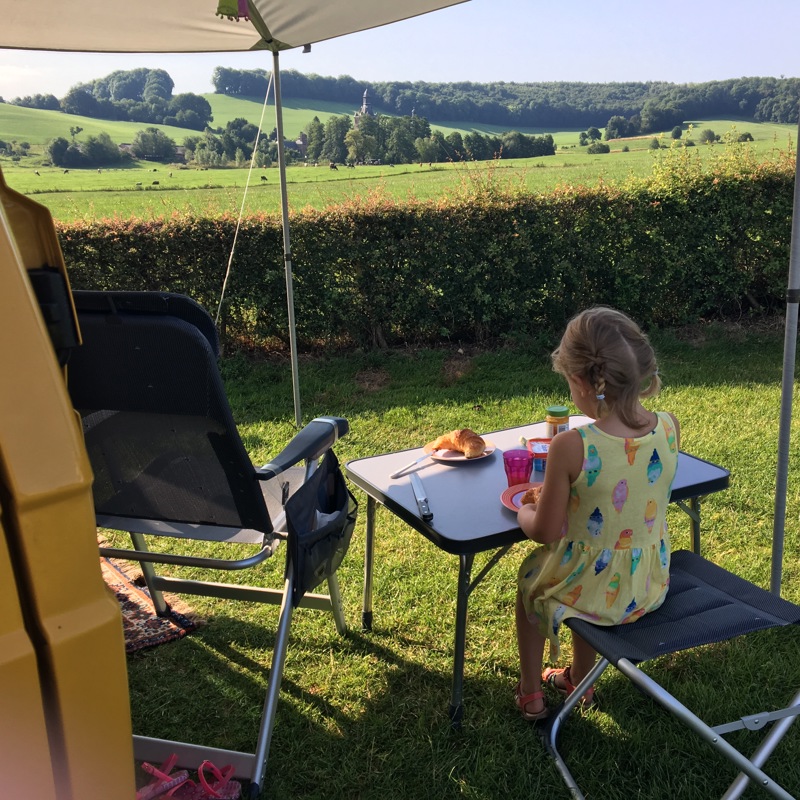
(145, 95)
(655, 105)
(137, 95)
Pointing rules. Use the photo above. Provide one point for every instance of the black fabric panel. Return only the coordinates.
(704, 604)
(159, 432)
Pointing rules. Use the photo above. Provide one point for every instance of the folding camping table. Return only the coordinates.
(469, 518)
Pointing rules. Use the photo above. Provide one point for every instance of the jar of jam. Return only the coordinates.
(557, 420)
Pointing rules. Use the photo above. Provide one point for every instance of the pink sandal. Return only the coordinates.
(566, 687)
(163, 782)
(522, 701)
(222, 787)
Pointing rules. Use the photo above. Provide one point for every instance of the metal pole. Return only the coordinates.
(789, 348)
(287, 251)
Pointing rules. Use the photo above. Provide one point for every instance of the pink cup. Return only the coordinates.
(518, 465)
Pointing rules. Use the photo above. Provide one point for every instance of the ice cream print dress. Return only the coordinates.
(611, 564)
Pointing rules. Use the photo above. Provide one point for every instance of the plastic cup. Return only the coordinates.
(518, 465)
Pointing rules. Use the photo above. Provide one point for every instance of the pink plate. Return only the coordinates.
(512, 497)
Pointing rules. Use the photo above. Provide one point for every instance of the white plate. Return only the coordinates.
(454, 455)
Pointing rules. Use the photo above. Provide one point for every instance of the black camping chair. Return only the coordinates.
(704, 604)
(168, 462)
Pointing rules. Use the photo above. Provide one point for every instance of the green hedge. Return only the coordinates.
(489, 263)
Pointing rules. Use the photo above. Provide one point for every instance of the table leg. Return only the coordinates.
(693, 510)
(463, 590)
(369, 549)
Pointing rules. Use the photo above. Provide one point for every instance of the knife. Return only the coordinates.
(422, 498)
(400, 471)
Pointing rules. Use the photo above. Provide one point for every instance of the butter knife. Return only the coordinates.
(422, 498)
(416, 461)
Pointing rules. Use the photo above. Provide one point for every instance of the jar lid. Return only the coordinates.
(557, 411)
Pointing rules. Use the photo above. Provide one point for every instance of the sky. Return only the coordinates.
(487, 41)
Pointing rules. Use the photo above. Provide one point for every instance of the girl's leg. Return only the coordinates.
(531, 651)
(583, 658)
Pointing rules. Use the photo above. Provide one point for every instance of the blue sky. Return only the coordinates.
(494, 40)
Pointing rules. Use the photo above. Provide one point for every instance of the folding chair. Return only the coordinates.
(168, 462)
(705, 604)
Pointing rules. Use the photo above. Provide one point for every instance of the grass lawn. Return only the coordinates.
(365, 716)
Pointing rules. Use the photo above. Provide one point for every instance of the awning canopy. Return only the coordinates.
(193, 26)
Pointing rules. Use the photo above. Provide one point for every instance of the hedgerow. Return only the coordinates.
(485, 263)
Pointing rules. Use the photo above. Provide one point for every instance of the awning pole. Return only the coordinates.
(789, 348)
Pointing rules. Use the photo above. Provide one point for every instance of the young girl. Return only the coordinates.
(601, 515)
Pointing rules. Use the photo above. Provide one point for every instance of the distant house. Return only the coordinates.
(301, 143)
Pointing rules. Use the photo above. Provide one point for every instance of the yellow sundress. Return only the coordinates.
(611, 564)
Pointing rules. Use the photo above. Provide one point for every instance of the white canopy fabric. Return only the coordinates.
(192, 26)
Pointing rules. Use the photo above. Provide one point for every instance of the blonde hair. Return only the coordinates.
(609, 350)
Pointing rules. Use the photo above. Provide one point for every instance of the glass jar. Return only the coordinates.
(557, 420)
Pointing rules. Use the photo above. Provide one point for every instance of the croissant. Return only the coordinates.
(531, 496)
(463, 440)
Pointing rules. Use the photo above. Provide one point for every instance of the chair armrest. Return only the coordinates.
(307, 444)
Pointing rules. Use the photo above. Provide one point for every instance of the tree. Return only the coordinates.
(707, 136)
(333, 147)
(56, 148)
(79, 102)
(427, 149)
(596, 148)
(654, 143)
(677, 132)
(455, 146)
(593, 134)
(400, 147)
(153, 144)
(316, 138)
(100, 150)
(618, 127)
(193, 108)
(477, 147)
(354, 141)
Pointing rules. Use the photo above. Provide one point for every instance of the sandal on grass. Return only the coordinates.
(220, 787)
(522, 701)
(561, 681)
(164, 780)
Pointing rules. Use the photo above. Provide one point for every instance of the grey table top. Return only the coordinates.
(468, 516)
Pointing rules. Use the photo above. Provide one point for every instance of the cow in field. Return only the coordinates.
(333, 166)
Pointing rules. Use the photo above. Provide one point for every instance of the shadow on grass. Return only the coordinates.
(358, 718)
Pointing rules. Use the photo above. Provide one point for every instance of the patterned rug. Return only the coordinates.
(143, 628)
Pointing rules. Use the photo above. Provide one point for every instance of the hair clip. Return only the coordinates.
(600, 396)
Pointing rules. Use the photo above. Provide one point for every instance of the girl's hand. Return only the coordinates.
(543, 522)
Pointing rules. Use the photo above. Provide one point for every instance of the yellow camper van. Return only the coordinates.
(65, 729)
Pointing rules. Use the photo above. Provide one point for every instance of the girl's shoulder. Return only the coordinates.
(566, 452)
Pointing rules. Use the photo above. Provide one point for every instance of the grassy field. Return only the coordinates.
(365, 716)
(151, 191)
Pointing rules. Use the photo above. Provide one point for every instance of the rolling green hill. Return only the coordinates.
(37, 127)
